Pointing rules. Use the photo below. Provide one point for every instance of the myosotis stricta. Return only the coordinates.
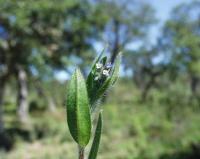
(83, 97)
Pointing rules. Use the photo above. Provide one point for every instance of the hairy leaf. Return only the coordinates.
(115, 72)
(96, 140)
(78, 113)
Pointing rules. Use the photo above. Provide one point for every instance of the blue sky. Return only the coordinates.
(163, 9)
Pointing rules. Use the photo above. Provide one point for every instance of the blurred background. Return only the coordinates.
(153, 112)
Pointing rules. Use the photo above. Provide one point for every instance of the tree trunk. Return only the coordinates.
(51, 104)
(146, 89)
(194, 84)
(49, 99)
(2, 87)
(22, 95)
(115, 49)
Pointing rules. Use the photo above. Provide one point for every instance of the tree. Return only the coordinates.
(38, 38)
(145, 70)
(127, 22)
(181, 39)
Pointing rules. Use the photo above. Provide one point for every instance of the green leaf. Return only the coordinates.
(78, 112)
(115, 72)
(96, 140)
(104, 60)
(103, 88)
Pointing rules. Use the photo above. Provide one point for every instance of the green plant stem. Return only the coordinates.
(81, 152)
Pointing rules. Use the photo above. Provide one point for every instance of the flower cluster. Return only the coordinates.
(102, 70)
(101, 77)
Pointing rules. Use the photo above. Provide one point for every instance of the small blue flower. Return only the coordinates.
(108, 65)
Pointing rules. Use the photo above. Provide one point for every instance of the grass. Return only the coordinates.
(132, 130)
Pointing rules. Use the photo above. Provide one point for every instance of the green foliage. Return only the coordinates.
(78, 113)
(182, 37)
(139, 130)
(96, 140)
(43, 37)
